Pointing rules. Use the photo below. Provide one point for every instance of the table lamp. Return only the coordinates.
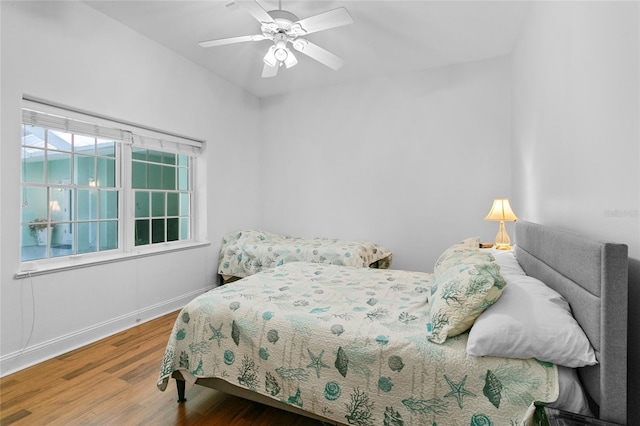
(501, 211)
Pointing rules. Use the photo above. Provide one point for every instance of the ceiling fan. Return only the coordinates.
(283, 27)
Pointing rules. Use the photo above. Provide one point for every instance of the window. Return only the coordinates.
(161, 188)
(93, 187)
(70, 193)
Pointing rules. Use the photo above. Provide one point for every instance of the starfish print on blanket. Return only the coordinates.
(457, 390)
(217, 333)
(316, 361)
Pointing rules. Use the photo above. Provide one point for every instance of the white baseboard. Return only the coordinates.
(40, 352)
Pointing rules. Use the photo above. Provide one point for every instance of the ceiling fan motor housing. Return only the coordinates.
(282, 15)
(285, 22)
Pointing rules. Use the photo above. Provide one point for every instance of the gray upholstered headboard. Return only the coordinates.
(593, 277)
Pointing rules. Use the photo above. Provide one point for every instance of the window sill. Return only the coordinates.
(35, 268)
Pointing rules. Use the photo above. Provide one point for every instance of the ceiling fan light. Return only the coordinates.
(300, 44)
(270, 57)
(281, 54)
(291, 60)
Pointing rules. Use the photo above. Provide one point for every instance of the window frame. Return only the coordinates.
(136, 136)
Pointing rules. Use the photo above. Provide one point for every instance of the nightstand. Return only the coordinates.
(493, 250)
(546, 416)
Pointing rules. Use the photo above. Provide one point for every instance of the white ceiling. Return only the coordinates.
(387, 37)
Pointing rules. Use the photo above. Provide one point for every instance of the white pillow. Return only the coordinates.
(530, 320)
(571, 396)
(508, 263)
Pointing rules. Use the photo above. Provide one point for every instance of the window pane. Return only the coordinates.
(33, 136)
(169, 177)
(184, 204)
(108, 205)
(87, 236)
(109, 235)
(139, 154)
(157, 231)
(31, 247)
(84, 170)
(32, 165)
(169, 158)
(184, 229)
(173, 204)
(34, 203)
(61, 204)
(58, 167)
(173, 230)
(154, 177)
(40, 231)
(142, 204)
(61, 240)
(106, 148)
(84, 144)
(62, 237)
(183, 179)
(87, 204)
(139, 175)
(106, 172)
(154, 156)
(157, 204)
(142, 232)
(183, 160)
(58, 140)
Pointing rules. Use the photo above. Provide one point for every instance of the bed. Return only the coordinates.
(249, 251)
(364, 346)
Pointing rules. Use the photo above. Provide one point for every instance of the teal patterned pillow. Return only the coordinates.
(456, 261)
(462, 258)
(461, 294)
(456, 252)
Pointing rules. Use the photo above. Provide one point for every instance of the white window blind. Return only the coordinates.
(67, 125)
(46, 114)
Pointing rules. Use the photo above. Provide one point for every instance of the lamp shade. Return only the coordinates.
(501, 210)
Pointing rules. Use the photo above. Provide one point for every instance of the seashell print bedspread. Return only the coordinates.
(246, 252)
(349, 344)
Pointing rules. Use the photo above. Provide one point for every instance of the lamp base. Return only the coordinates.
(502, 239)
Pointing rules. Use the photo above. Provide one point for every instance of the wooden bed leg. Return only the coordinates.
(181, 384)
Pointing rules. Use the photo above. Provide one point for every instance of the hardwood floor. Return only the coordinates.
(113, 382)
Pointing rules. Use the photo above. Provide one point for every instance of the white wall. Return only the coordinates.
(576, 149)
(71, 54)
(576, 132)
(412, 161)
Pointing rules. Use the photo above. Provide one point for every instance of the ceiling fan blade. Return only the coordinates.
(231, 40)
(318, 53)
(256, 11)
(268, 71)
(323, 21)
